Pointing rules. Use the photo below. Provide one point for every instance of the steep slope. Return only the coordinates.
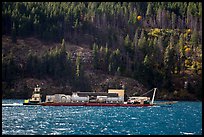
(98, 81)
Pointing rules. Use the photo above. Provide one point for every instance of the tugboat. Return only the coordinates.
(35, 99)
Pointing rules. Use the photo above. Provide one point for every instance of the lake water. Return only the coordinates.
(182, 118)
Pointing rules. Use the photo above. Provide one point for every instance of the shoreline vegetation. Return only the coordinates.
(93, 46)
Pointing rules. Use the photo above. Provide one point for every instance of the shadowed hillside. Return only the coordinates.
(93, 46)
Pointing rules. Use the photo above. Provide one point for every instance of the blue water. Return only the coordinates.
(179, 119)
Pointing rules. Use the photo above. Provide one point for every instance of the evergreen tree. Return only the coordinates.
(78, 64)
(169, 59)
(95, 56)
(142, 45)
(168, 66)
(14, 33)
(127, 43)
(107, 55)
(149, 9)
(181, 65)
(194, 40)
(110, 68)
(173, 19)
(63, 48)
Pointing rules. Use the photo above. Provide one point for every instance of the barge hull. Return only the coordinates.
(31, 104)
(96, 104)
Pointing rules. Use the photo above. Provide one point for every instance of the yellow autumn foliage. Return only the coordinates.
(188, 62)
(185, 47)
(187, 50)
(139, 18)
(189, 31)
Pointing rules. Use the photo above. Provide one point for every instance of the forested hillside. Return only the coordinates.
(84, 45)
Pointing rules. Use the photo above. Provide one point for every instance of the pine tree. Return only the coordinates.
(110, 68)
(142, 45)
(181, 65)
(173, 20)
(95, 56)
(107, 54)
(159, 18)
(168, 66)
(136, 52)
(14, 40)
(127, 43)
(169, 59)
(118, 71)
(78, 64)
(149, 9)
(63, 47)
(194, 40)
(147, 61)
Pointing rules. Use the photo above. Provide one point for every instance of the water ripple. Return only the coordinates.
(183, 118)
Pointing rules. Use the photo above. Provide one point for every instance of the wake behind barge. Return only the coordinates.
(114, 97)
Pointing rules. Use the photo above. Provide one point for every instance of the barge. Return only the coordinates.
(114, 97)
